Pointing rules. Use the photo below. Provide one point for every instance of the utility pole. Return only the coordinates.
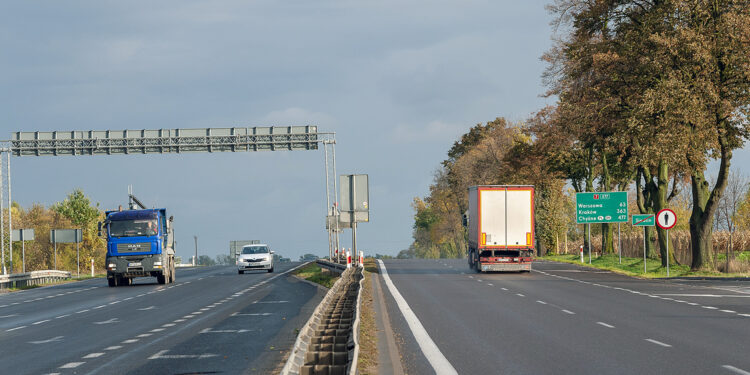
(195, 258)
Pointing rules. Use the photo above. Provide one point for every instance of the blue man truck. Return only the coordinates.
(140, 243)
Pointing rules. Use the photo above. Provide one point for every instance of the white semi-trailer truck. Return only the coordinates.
(501, 228)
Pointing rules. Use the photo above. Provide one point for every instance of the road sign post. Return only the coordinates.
(666, 219)
(22, 235)
(647, 220)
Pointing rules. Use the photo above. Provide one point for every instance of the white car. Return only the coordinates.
(255, 257)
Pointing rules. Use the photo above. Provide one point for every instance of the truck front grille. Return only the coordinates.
(133, 247)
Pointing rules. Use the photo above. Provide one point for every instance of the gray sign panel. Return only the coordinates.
(235, 247)
(65, 236)
(22, 235)
(355, 198)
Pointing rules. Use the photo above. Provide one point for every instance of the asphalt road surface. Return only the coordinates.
(565, 319)
(211, 320)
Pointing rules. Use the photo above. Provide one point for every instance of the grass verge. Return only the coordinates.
(634, 266)
(368, 333)
(312, 272)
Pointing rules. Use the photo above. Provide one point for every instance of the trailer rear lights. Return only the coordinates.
(515, 259)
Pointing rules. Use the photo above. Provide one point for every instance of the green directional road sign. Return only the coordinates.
(604, 207)
(648, 220)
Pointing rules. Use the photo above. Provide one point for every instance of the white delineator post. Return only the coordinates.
(348, 259)
(362, 259)
(92, 267)
(581, 253)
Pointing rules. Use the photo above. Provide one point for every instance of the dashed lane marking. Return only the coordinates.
(568, 312)
(13, 329)
(72, 364)
(92, 355)
(736, 370)
(659, 343)
(605, 324)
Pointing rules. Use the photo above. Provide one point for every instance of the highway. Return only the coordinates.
(564, 319)
(211, 320)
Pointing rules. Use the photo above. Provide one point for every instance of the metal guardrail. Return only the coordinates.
(18, 280)
(332, 266)
(329, 342)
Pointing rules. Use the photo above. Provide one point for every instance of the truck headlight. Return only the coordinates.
(111, 266)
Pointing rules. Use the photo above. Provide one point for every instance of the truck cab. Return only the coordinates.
(140, 243)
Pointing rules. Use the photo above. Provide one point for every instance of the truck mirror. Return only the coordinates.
(465, 220)
(171, 218)
(100, 229)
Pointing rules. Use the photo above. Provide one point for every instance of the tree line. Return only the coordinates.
(648, 93)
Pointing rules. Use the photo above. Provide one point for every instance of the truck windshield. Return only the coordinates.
(133, 228)
(255, 250)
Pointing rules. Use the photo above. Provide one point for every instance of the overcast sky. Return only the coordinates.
(398, 81)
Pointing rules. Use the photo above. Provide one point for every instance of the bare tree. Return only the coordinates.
(728, 207)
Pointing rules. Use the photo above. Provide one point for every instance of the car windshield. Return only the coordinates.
(255, 250)
(133, 228)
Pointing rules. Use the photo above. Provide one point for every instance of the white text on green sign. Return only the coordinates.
(604, 207)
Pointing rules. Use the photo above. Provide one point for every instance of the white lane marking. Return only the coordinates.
(659, 343)
(157, 330)
(736, 370)
(271, 302)
(437, 360)
(99, 307)
(130, 341)
(188, 316)
(8, 316)
(251, 314)
(62, 316)
(168, 325)
(179, 320)
(710, 307)
(144, 335)
(490, 284)
(197, 312)
(205, 309)
(112, 303)
(82, 311)
(692, 304)
(728, 311)
(160, 355)
(568, 312)
(605, 324)
(208, 330)
(744, 314)
(147, 308)
(110, 321)
(542, 302)
(706, 295)
(113, 347)
(47, 341)
(13, 329)
(40, 322)
(92, 355)
(128, 299)
(72, 364)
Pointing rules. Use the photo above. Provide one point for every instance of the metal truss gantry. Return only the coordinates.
(164, 141)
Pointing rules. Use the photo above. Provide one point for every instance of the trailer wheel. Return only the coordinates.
(161, 279)
(111, 282)
(240, 272)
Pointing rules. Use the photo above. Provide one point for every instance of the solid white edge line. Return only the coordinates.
(433, 354)
(736, 370)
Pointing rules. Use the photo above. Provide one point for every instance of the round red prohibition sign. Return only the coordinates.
(666, 219)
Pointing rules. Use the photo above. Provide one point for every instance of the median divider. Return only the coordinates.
(19, 280)
(328, 344)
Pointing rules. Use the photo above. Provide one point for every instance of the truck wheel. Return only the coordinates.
(111, 282)
(240, 272)
(270, 270)
(161, 279)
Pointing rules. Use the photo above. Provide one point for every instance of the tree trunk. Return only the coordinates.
(660, 202)
(705, 202)
(607, 229)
